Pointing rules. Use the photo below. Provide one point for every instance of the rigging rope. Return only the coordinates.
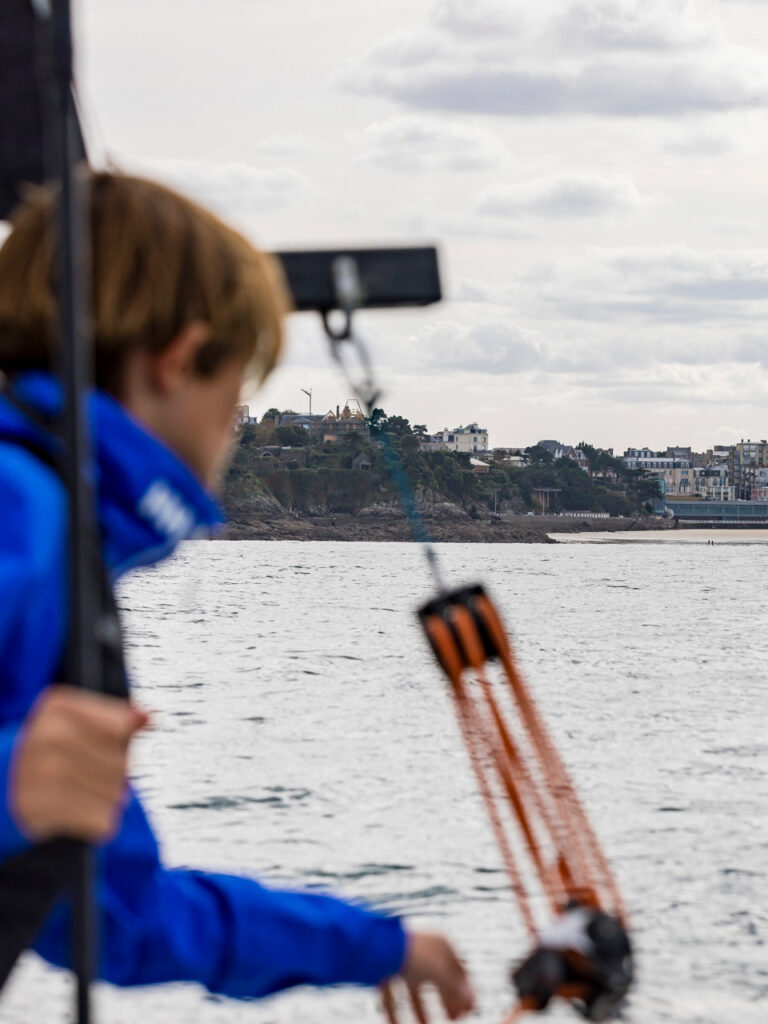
(548, 846)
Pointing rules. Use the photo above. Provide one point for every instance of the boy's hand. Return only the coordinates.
(70, 771)
(431, 960)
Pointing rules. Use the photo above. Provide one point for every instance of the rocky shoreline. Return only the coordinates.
(262, 518)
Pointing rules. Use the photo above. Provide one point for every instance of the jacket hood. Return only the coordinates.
(149, 500)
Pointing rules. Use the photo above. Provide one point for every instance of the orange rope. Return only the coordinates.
(440, 635)
(531, 781)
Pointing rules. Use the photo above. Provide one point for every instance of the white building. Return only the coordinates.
(644, 458)
(469, 439)
(243, 416)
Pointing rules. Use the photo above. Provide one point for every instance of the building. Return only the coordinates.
(470, 439)
(243, 416)
(514, 457)
(644, 458)
(675, 481)
(744, 461)
(711, 483)
(566, 451)
(681, 454)
(312, 424)
(478, 466)
(350, 420)
(712, 512)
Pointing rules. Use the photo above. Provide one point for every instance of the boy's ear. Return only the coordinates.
(175, 363)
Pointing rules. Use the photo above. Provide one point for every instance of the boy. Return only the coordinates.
(183, 308)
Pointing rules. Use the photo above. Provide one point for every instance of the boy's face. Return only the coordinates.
(194, 415)
(204, 428)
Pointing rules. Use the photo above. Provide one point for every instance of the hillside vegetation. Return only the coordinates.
(350, 475)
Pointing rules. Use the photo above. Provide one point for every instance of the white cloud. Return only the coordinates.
(573, 194)
(705, 144)
(608, 88)
(491, 347)
(419, 143)
(618, 58)
(412, 50)
(481, 18)
(232, 189)
(695, 306)
(634, 25)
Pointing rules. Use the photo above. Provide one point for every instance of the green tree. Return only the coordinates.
(398, 426)
(538, 455)
(377, 421)
(292, 436)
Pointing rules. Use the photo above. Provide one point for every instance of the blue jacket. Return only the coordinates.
(231, 934)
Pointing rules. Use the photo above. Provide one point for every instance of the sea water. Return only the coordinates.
(303, 735)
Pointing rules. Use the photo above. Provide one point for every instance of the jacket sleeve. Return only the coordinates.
(32, 543)
(231, 934)
(11, 839)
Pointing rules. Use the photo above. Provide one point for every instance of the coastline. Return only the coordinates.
(445, 525)
(706, 537)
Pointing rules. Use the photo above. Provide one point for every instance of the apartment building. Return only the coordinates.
(745, 459)
(470, 439)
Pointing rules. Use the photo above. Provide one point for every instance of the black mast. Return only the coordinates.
(32, 881)
(83, 667)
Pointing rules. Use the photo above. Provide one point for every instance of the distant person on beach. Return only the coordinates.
(184, 309)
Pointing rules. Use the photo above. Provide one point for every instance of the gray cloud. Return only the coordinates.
(609, 89)
(574, 194)
(615, 58)
(660, 25)
(494, 348)
(421, 143)
(641, 311)
(664, 289)
(483, 18)
(484, 348)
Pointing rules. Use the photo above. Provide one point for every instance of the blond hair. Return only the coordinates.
(159, 262)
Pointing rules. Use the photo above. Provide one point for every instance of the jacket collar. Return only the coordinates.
(149, 500)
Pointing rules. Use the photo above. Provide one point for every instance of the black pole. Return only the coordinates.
(83, 668)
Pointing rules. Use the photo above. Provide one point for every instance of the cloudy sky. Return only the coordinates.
(595, 173)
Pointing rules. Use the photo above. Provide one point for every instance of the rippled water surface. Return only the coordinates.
(303, 735)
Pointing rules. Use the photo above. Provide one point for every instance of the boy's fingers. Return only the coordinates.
(388, 1003)
(417, 1004)
(458, 999)
(110, 718)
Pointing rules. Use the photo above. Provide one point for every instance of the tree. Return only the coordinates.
(377, 421)
(398, 426)
(420, 430)
(271, 414)
(395, 426)
(292, 436)
(538, 455)
(247, 434)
